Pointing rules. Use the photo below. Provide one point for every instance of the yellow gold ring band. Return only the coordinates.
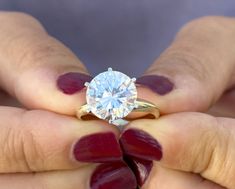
(143, 107)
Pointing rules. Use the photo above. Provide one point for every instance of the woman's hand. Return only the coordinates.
(43, 149)
(190, 150)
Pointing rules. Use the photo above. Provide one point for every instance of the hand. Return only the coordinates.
(41, 148)
(195, 74)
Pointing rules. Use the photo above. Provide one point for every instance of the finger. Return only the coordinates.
(163, 178)
(36, 68)
(36, 140)
(106, 176)
(195, 70)
(140, 167)
(151, 175)
(191, 142)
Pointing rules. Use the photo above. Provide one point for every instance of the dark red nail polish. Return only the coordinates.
(140, 167)
(140, 144)
(72, 82)
(113, 176)
(98, 148)
(156, 83)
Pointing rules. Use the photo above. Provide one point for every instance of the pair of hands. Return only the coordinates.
(49, 148)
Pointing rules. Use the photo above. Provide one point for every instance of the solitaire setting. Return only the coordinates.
(111, 96)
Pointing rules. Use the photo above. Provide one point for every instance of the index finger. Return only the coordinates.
(195, 70)
(37, 69)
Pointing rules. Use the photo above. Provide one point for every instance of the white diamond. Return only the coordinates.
(111, 95)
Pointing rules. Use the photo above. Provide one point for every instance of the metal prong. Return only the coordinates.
(86, 84)
(133, 79)
(88, 110)
(136, 105)
(110, 69)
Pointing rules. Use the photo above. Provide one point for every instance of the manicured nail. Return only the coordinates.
(72, 82)
(158, 84)
(98, 148)
(140, 167)
(138, 143)
(113, 176)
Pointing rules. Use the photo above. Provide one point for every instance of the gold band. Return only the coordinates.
(142, 106)
(147, 107)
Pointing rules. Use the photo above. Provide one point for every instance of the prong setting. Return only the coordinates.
(136, 105)
(133, 79)
(111, 95)
(88, 110)
(86, 84)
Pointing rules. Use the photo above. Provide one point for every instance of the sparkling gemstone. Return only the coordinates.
(111, 95)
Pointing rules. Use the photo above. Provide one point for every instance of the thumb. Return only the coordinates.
(190, 142)
(37, 69)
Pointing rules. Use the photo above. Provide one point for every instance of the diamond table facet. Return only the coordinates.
(111, 95)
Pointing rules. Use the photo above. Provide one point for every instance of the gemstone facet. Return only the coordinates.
(111, 95)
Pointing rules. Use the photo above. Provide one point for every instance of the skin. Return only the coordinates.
(200, 62)
(198, 148)
(36, 145)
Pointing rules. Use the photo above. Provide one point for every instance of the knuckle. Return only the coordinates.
(10, 148)
(20, 149)
(27, 43)
(185, 62)
(31, 151)
(192, 154)
(39, 53)
(212, 157)
(220, 166)
(194, 64)
(204, 155)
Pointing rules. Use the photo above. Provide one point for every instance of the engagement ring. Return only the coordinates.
(112, 96)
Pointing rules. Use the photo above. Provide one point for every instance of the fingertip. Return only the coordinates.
(51, 89)
(98, 147)
(115, 175)
(72, 82)
(141, 168)
(157, 83)
(185, 94)
(138, 143)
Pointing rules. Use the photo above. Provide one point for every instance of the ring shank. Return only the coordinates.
(142, 106)
(147, 107)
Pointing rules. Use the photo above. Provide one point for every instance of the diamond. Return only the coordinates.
(111, 95)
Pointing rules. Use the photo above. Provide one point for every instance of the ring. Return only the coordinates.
(112, 96)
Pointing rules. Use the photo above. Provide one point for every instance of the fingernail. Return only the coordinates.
(116, 176)
(72, 82)
(140, 167)
(98, 148)
(140, 144)
(158, 84)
